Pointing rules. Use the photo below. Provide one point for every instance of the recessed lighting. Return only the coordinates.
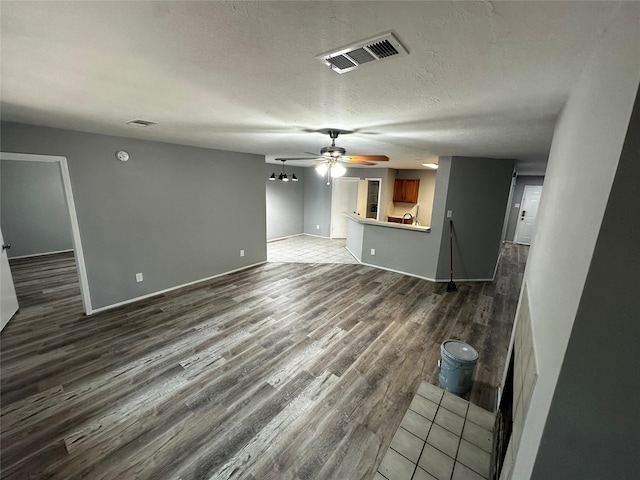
(433, 166)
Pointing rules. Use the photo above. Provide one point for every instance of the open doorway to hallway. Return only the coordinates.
(38, 214)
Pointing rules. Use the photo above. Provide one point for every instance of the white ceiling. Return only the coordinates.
(481, 78)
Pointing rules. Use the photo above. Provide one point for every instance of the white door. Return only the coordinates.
(8, 301)
(528, 212)
(344, 198)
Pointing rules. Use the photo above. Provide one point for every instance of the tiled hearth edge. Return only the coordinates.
(443, 437)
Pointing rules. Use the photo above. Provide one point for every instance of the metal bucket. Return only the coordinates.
(457, 363)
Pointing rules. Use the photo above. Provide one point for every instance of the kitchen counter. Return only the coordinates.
(370, 221)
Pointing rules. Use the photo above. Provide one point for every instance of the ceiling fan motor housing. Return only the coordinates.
(332, 151)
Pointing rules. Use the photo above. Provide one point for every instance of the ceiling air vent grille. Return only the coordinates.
(351, 57)
(140, 123)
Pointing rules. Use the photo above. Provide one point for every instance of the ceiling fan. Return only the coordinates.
(332, 157)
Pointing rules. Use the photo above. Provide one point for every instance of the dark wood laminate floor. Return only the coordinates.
(284, 371)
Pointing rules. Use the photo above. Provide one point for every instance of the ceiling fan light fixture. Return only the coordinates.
(322, 168)
(337, 170)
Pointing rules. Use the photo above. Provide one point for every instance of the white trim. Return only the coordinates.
(284, 238)
(170, 289)
(73, 217)
(40, 254)
(352, 254)
(434, 280)
(320, 236)
(398, 271)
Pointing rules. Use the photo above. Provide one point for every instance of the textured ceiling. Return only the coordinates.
(481, 78)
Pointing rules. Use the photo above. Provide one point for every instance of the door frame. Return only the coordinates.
(73, 217)
(518, 221)
(379, 180)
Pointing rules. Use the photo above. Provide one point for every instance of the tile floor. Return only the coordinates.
(308, 249)
(443, 437)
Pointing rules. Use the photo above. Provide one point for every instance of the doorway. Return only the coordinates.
(528, 212)
(61, 162)
(344, 198)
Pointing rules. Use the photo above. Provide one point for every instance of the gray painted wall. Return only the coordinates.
(35, 217)
(177, 214)
(583, 160)
(317, 205)
(592, 427)
(518, 191)
(285, 203)
(477, 195)
(413, 252)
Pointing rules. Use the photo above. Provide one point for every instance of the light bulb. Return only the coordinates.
(322, 168)
(337, 170)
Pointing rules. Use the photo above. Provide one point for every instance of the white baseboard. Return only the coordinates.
(284, 238)
(435, 280)
(160, 292)
(353, 255)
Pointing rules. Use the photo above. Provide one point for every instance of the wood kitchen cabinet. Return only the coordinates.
(405, 190)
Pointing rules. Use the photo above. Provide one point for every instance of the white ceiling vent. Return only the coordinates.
(140, 123)
(349, 58)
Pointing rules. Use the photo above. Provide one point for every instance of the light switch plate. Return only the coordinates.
(139, 277)
(373, 251)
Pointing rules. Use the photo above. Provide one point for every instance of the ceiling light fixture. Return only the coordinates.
(433, 166)
(283, 176)
(331, 168)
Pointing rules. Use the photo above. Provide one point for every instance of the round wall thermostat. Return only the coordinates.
(122, 155)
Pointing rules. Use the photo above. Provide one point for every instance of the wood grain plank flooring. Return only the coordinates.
(283, 371)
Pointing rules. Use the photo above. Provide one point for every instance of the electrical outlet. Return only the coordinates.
(517, 205)
(242, 253)
(139, 277)
(373, 251)
(317, 227)
(449, 213)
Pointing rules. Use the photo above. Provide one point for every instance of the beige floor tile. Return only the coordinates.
(454, 403)
(450, 421)
(436, 463)
(424, 407)
(396, 467)
(478, 436)
(443, 440)
(460, 472)
(431, 392)
(481, 417)
(475, 458)
(420, 474)
(407, 444)
(416, 424)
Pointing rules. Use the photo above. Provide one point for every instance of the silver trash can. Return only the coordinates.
(457, 362)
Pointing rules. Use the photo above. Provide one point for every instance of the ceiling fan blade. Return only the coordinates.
(298, 158)
(356, 162)
(369, 158)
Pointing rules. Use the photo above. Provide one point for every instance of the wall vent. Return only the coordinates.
(349, 58)
(140, 123)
